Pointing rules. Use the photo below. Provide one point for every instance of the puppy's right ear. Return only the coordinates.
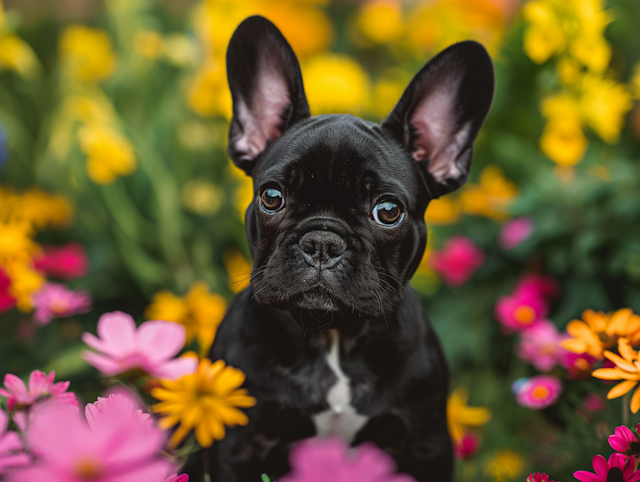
(266, 88)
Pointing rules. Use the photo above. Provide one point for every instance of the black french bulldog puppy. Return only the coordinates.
(331, 337)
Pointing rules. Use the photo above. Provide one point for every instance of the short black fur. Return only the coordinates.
(325, 269)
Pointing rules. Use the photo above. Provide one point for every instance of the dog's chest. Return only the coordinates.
(341, 418)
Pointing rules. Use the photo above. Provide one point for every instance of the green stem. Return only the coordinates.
(625, 410)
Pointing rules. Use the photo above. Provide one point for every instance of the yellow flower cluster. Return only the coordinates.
(460, 416)
(109, 155)
(87, 54)
(200, 312)
(15, 53)
(574, 31)
(491, 197)
(596, 333)
(20, 216)
(505, 466)
(303, 23)
(205, 401)
(88, 58)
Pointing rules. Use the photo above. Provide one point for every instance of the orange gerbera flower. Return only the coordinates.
(627, 369)
(598, 331)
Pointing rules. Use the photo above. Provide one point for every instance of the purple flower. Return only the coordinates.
(57, 301)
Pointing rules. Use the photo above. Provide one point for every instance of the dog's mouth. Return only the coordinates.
(318, 298)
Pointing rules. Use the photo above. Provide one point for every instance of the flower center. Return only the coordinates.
(525, 315)
(581, 364)
(58, 306)
(540, 392)
(634, 448)
(605, 338)
(88, 468)
(615, 475)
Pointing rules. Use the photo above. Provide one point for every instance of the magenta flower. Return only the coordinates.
(538, 477)
(320, 460)
(618, 468)
(540, 346)
(625, 441)
(6, 300)
(65, 262)
(537, 285)
(514, 232)
(149, 349)
(115, 447)
(458, 261)
(57, 301)
(519, 311)
(11, 455)
(578, 366)
(537, 392)
(467, 446)
(41, 388)
(593, 403)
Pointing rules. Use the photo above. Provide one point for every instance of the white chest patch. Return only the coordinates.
(341, 418)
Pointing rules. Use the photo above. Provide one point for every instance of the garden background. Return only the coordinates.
(113, 124)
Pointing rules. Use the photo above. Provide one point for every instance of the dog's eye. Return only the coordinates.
(271, 200)
(387, 214)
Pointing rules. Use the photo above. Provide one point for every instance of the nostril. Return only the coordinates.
(336, 246)
(323, 247)
(308, 245)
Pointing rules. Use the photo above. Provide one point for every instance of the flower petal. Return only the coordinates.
(117, 331)
(635, 401)
(600, 466)
(620, 362)
(621, 388)
(160, 340)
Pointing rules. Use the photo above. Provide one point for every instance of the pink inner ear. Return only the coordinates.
(433, 120)
(261, 122)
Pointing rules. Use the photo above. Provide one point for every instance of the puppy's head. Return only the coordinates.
(337, 221)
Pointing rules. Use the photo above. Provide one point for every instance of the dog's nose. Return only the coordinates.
(322, 249)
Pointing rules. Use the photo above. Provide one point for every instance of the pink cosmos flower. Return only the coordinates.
(538, 392)
(57, 301)
(538, 477)
(177, 478)
(10, 447)
(149, 349)
(6, 300)
(458, 261)
(65, 262)
(625, 441)
(41, 388)
(119, 400)
(320, 460)
(115, 446)
(467, 446)
(514, 232)
(618, 468)
(540, 346)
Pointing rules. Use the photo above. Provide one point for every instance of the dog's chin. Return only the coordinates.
(318, 299)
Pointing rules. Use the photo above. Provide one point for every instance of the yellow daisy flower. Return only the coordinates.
(598, 331)
(460, 415)
(627, 369)
(204, 401)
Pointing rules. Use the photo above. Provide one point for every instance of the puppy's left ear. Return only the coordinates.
(440, 113)
(266, 88)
